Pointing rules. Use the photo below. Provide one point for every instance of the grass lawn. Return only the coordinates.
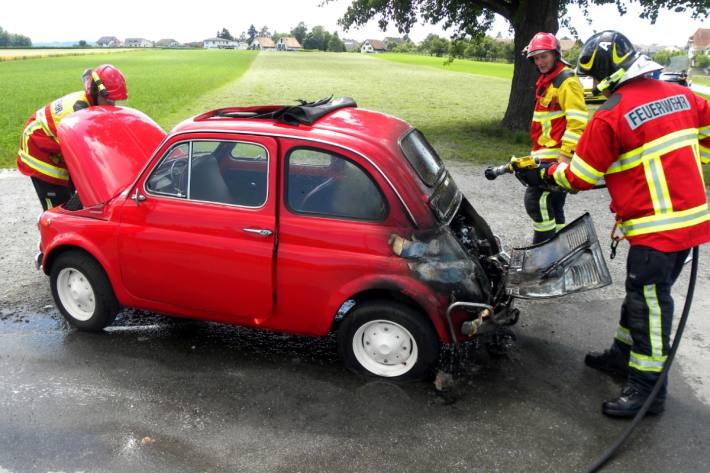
(458, 113)
(160, 83)
(701, 80)
(492, 69)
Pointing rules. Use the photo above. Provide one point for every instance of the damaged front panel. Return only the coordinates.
(570, 262)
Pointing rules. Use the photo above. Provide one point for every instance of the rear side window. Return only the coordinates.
(327, 184)
(420, 154)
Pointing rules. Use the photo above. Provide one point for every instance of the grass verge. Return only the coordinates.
(491, 69)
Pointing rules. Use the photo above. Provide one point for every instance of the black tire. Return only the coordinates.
(82, 291)
(402, 332)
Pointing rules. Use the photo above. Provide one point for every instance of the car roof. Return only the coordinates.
(347, 126)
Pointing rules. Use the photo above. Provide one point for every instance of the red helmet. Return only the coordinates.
(105, 80)
(541, 43)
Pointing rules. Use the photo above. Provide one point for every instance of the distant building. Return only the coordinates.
(138, 43)
(373, 46)
(220, 43)
(288, 43)
(567, 44)
(263, 43)
(699, 43)
(351, 45)
(167, 43)
(108, 42)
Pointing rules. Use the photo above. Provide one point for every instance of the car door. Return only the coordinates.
(198, 232)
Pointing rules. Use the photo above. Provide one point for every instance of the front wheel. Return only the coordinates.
(388, 339)
(82, 291)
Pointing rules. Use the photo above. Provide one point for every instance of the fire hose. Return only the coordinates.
(528, 162)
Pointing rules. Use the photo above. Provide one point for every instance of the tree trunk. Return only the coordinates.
(532, 17)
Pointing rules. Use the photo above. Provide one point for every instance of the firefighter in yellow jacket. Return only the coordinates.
(558, 122)
(40, 156)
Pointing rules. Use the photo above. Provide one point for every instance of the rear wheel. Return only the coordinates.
(82, 291)
(388, 339)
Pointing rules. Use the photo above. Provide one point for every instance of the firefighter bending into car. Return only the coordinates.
(558, 121)
(40, 156)
(648, 141)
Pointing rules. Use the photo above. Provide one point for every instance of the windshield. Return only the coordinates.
(422, 157)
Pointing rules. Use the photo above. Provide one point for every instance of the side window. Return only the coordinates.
(229, 172)
(326, 184)
(170, 176)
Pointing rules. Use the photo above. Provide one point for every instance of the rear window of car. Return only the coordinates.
(422, 157)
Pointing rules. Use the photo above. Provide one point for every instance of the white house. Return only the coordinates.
(263, 43)
(220, 43)
(138, 43)
(108, 42)
(373, 46)
(288, 43)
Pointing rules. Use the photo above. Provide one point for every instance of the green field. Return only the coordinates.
(160, 83)
(492, 69)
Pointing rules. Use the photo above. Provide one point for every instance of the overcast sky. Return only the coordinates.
(71, 20)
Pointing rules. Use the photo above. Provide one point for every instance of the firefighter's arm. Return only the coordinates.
(704, 129)
(596, 151)
(571, 99)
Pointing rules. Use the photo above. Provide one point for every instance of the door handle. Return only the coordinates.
(259, 231)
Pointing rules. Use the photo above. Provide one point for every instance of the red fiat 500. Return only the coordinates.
(303, 219)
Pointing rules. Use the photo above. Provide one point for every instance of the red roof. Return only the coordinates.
(701, 38)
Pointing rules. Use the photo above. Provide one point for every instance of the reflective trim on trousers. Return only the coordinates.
(623, 335)
(654, 320)
(646, 363)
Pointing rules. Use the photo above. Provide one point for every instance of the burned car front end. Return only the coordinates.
(461, 258)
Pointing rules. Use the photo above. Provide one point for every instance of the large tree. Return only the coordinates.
(474, 18)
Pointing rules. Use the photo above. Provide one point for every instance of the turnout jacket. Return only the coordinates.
(560, 114)
(40, 154)
(648, 141)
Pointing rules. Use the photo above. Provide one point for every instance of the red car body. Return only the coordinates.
(285, 257)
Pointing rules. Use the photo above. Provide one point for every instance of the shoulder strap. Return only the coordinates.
(562, 76)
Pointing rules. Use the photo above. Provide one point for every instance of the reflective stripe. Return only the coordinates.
(560, 226)
(561, 178)
(547, 116)
(658, 147)
(657, 185)
(646, 363)
(41, 117)
(571, 137)
(42, 167)
(546, 224)
(545, 153)
(584, 171)
(704, 154)
(578, 115)
(704, 132)
(655, 330)
(623, 335)
(668, 221)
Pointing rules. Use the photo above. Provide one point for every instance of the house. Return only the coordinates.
(263, 43)
(373, 46)
(699, 43)
(138, 43)
(567, 44)
(167, 43)
(288, 43)
(351, 45)
(220, 43)
(108, 42)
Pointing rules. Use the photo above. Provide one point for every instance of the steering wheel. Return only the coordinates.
(310, 197)
(177, 171)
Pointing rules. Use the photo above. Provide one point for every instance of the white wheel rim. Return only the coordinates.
(385, 348)
(76, 294)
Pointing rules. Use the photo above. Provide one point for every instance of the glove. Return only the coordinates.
(537, 177)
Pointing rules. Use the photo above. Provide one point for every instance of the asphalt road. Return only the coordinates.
(154, 394)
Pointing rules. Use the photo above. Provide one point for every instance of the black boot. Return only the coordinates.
(630, 402)
(612, 361)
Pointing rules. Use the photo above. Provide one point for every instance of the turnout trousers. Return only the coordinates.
(647, 314)
(546, 209)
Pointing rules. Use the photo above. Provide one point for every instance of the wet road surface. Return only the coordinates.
(157, 394)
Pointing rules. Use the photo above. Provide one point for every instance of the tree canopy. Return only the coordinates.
(474, 17)
(10, 40)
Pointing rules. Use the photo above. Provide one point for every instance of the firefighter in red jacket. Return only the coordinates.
(648, 141)
(558, 121)
(39, 156)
